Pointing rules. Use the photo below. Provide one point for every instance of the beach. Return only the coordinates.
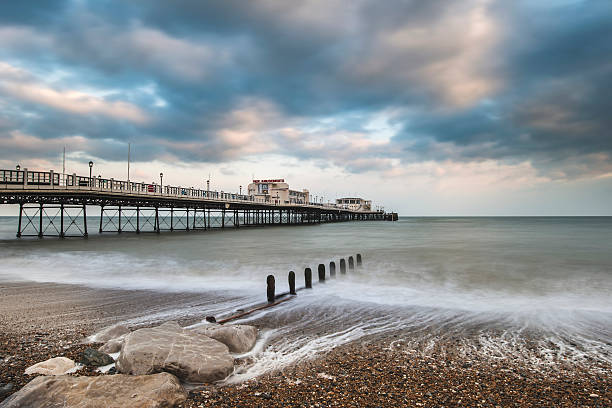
(44, 320)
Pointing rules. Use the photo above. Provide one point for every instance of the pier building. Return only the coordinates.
(277, 191)
(354, 204)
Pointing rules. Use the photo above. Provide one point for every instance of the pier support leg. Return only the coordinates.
(171, 218)
(85, 234)
(157, 220)
(119, 229)
(187, 219)
(40, 228)
(223, 218)
(19, 223)
(137, 220)
(62, 221)
(101, 216)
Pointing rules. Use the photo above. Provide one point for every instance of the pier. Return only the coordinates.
(55, 205)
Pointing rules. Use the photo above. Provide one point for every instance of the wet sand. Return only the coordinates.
(40, 321)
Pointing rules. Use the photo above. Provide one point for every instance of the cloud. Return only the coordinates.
(467, 82)
(19, 84)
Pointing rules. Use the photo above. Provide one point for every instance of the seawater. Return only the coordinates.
(494, 283)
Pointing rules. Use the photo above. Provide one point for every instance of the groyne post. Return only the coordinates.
(321, 273)
(332, 269)
(342, 266)
(271, 288)
(308, 278)
(358, 259)
(292, 283)
(351, 263)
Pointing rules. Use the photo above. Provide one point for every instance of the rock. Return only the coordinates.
(112, 346)
(5, 389)
(239, 338)
(189, 355)
(110, 333)
(53, 366)
(147, 391)
(92, 357)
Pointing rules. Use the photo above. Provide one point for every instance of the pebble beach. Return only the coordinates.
(40, 321)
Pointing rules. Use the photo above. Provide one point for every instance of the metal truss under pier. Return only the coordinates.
(60, 214)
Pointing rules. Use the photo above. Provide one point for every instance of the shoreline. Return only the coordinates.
(43, 320)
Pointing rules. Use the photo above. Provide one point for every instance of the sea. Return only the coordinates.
(532, 288)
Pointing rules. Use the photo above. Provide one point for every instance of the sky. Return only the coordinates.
(438, 107)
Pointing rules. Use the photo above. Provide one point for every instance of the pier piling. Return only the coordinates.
(358, 259)
(332, 269)
(308, 278)
(351, 263)
(321, 273)
(342, 266)
(292, 283)
(271, 288)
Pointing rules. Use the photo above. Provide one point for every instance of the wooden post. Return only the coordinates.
(321, 273)
(342, 266)
(351, 263)
(292, 283)
(332, 269)
(358, 259)
(271, 288)
(308, 278)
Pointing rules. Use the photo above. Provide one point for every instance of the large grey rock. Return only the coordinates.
(110, 333)
(121, 391)
(190, 356)
(112, 346)
(239, 338)
(92, 357)
(53, 366)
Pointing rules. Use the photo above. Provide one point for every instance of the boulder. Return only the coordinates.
(53, 366)
(92, 357)
(190, 356)
(239, 338)
(112, 346)
(110, 333)
(121, 391)
(5, 389)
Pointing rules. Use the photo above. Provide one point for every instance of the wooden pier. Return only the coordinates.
(54, 204)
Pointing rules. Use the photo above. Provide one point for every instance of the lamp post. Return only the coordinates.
(90, 169)
(161, 183)
(240, 190)
(17, 167)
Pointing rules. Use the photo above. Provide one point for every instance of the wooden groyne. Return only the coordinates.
(274, 299)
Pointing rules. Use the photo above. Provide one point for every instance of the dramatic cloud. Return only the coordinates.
(515, 90)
